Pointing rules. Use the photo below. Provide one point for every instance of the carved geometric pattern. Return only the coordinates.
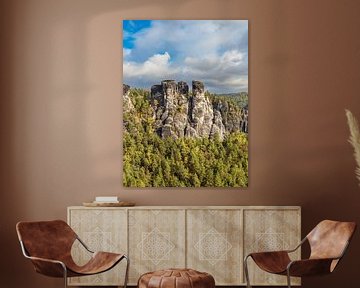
(269, 241)
(131, 220)
(156, 246)
(98, 240)
(213, 212)
(213, 246)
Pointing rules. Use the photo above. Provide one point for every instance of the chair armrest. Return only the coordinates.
(280, 251)
(83, 244)
(269, 252)
(45, 260)
(309, 267)
(48, 267)
(298, 246)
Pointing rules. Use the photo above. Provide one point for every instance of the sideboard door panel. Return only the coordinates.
(101, 230)
(214, 244)
(270, 230)
(156, 240)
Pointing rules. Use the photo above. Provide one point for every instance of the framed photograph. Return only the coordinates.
(185, 103)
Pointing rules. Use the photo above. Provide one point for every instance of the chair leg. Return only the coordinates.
(288, 278)
(246, 270)
(127, 271)
(65, 276)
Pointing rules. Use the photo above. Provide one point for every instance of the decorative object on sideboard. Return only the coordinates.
(108, 201)
(328, 242)
(109, 204)
(354, 139)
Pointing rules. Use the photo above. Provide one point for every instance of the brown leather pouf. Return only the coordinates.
(176, 278)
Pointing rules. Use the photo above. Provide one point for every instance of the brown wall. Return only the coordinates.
(60, 113)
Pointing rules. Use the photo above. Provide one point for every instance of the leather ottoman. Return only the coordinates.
(176, 278)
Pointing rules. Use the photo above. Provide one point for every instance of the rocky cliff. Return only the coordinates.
(179, 113)
(127, 103)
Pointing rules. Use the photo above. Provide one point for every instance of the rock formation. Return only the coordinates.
(127, 103)
(177, 113)
(170, 103)
(201, 112)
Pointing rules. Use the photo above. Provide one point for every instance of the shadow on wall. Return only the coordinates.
(59, 112)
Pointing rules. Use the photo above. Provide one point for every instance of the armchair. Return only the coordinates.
(48, 245)
(328, 242)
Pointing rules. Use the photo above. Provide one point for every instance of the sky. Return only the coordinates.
(212, 51)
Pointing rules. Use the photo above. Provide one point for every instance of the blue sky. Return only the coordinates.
(132, 27)
(212, 51)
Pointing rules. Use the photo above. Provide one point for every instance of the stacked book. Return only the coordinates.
(106, 199)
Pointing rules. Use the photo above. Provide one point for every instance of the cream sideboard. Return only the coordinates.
(212, 239)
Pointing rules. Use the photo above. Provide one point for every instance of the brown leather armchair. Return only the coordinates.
(328, 242)
(48, 245)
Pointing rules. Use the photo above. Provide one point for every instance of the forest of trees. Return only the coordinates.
(151, 161)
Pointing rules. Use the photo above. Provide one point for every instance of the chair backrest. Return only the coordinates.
(46, 239)
(329, 239)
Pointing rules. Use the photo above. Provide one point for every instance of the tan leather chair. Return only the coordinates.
(48, 245)
(328, 242)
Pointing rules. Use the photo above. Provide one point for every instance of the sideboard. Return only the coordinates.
(213, 239)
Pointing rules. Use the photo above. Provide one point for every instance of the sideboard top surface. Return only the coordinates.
(193, 207)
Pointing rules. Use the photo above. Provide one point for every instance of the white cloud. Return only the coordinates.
(214, 52)
(190, 38)
(227, 61)
(233, 57)
(157, 67)
(220, 73)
